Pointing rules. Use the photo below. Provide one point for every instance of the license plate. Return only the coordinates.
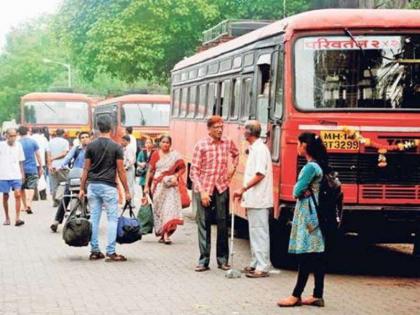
(338, 140)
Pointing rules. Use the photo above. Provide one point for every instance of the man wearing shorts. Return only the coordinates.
(32, 169)
(11, 173)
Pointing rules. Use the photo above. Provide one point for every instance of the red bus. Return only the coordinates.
(147, 114)
(70, 111)
(353, 77)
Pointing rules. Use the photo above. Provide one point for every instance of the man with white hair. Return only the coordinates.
(257, 198)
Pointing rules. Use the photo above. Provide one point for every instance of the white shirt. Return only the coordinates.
(43, 146)
(10, 156)
(133, 143)
(129, 157)
(57, 146)
(259, 196)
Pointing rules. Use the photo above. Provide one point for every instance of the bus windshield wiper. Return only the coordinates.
(142, 120)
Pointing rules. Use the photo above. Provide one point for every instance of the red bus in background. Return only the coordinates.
(351, 76)
(70, 111)
(147, 114)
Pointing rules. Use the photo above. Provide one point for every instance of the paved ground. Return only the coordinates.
(39, 274)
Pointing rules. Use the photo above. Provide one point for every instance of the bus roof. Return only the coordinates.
(314, 20)
(56, 96)
(137, 98)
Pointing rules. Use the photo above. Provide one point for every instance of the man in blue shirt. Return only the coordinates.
(32, 171)
(74, 159)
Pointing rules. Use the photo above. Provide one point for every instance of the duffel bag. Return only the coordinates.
(128, 230)
(77, 230)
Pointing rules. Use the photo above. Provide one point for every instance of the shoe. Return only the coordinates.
(291, 301)
(224, 267)
(54, 227)
(201, 268)
(55, 203)
(257, 274)
(19, 223)
(313, 301)
(29, 210)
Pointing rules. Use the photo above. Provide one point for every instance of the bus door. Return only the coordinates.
(263, 91)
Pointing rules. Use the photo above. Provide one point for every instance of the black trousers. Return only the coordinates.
(219, 207)
(59, 216)
(310, 263)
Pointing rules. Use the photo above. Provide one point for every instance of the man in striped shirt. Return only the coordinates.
(211, 175)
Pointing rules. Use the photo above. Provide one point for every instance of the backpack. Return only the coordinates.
(329, 206)
(128, 229)
(77, 230)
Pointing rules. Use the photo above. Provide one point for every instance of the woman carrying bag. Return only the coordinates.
(163, 180)
(306, 239)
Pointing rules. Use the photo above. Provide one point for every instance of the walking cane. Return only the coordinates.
(232, 273)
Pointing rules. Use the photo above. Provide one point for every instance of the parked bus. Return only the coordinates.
(351, 76)
(147, 114)
(70, 111)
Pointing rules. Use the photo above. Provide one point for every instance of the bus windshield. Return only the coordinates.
(357, 72)
(56, 112)
(137, 115)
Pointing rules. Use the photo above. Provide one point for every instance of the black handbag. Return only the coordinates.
(141, 172)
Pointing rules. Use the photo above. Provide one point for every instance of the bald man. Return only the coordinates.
(257, 199)
(11, 173)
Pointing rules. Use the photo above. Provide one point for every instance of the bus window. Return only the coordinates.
(175, 102)
(226, 98)
(211, 100)
(56, 112)
(246, 98)
(236, 99)
(184, 102)
(192, 102)
(202, 97)
(136, 115)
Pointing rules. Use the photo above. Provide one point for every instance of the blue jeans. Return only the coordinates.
(102, 196)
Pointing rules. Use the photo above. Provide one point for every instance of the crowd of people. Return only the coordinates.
(108, 173)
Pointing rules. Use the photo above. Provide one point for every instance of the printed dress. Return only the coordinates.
(306, 236)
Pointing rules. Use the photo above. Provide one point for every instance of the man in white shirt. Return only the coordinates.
(257, 198)
(133, 141)
(57, 150)
(11, 173)
(129, 160)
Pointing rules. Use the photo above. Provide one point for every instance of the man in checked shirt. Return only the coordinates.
(211, 175)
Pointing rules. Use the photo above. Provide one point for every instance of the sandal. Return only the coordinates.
(201, 268)
(29, 210)
(6, 222)
(19, 223)
(168, 241)
(96, 256)
(115, 257)
(161, 240)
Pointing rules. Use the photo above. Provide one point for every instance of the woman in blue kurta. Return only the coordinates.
(306, 240)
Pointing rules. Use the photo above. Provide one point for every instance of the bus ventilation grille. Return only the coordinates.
(390, 192)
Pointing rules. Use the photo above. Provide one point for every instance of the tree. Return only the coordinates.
(143, 39)
(22, 69)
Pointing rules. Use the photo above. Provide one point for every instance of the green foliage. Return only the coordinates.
(22, 69)
(143, 39)
(414, 4)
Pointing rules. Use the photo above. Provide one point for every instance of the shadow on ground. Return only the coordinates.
(355, 258)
